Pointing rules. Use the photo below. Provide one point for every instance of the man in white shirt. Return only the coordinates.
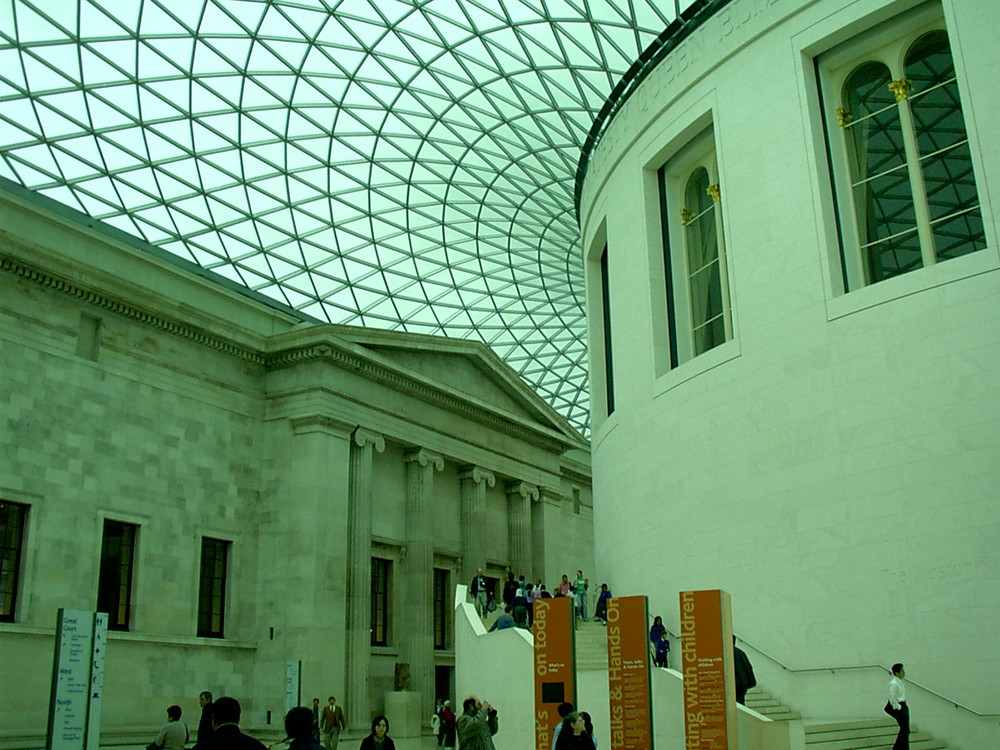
(896, 707)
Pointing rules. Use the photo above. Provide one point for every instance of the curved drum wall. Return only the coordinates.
(835, 465)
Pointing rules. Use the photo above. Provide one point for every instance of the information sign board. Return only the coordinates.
(629, 674)
(554, 664)
(293, 684)
(77, 680)
(706, 659)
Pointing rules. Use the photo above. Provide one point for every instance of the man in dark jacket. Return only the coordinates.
(227, 735)
(744, 673)
(205, 727)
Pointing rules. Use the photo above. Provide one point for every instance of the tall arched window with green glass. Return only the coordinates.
(906, 177)
(694, 257)
(705, 262)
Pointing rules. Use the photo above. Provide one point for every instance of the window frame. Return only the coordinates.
(216, 592)
(9, 612)
(889, 44)
(440, 585)
(114, 608)
(381, 601)
(673, 178)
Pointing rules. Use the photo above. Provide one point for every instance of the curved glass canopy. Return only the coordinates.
(403, 165)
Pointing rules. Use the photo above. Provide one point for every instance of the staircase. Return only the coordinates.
(591, 646)
(766, 704)
(874, 734)
(877, 734)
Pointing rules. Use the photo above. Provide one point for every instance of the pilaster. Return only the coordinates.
(418, 574)
(364, 444)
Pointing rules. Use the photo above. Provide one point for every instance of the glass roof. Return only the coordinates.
(400, 165)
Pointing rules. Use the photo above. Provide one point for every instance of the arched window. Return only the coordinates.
(704, 262)
(905, 176)
(695, 258)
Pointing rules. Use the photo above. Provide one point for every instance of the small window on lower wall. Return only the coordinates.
(12, 521)
(380, 597)
(903, 179)
(212, 588)
(697, 286)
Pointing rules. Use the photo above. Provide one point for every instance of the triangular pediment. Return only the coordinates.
(468, 368)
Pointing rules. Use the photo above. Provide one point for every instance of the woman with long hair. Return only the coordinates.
(379, 739)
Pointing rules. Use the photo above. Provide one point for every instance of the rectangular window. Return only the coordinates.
(212, 588)
(694, 252)
(903, 180)
(381, 571)
(12, 520)
(440, 609)
(609, 370)
(114, 586)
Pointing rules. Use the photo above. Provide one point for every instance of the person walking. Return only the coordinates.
(448, 719)
(477, 725)
(332, 724)
(896, 707)
(580, 585)
(205, 727)
(477, 590)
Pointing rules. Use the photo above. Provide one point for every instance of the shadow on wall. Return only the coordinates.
(497, 667)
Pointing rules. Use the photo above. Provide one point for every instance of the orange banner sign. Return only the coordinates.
(554, 666)
(706, 659)
(628, 674)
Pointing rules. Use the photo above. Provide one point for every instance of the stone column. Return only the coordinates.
(546, 528)
(519, 497)
(474, 481)
(418, 575)
(357, 703)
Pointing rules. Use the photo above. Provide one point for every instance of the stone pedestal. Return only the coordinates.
(402, 708)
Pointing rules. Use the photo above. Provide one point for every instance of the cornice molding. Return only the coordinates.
(315, 351)
(574, 476)
(378, 373)
(318, 422)
(119, 306)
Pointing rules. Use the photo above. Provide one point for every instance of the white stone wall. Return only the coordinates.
(835, 465)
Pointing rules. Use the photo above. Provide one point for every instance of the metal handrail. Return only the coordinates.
(854, 667)
(879, 667)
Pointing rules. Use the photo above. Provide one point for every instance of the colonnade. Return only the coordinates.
(416, 638)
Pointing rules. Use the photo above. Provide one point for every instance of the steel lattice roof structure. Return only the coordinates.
(401, 164)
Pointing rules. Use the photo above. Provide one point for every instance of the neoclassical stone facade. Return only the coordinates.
(348, 478)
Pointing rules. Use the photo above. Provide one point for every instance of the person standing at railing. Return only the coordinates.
(896, 707)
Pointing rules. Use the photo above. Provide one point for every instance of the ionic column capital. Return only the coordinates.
(425, 457)
(524, 490)
(478, 475)
(363, 437)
